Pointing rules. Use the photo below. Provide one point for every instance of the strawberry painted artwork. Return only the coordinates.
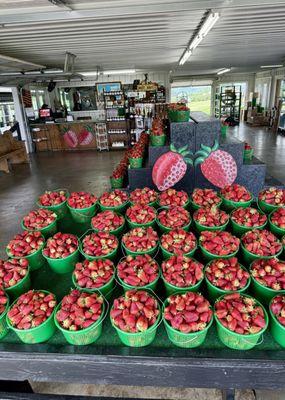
(85, 136)
(217, 166)
(70, 137)
(170, 167)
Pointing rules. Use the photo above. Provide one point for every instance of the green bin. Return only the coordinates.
(157, 140)
(116, 183)
(136, 162)
(277, 330)
(150, 286)
(178, 116)
(250, 257)
(230, 205)
(167, 254)
(263, 293)
(106, 290)
(82, 215)
(165, 229)
(171, 289)
(239, 230)
(274, 228)
(266, 207)
(60, 209)
(201, 228)
(117, 232)
(21, 287)
(150, 252)
(3, 323)
(35, 260)
(47, 231)
(210, 256)
(119, 209)
(63, 265)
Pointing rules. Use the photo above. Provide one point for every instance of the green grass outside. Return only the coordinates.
(204, 106)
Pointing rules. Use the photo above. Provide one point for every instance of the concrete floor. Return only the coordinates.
(90, 171)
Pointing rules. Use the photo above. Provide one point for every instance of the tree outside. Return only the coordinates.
(198, 98)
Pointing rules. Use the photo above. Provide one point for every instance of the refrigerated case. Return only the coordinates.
(282, 112)
(7, 111)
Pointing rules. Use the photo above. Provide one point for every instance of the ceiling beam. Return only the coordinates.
(20, 61)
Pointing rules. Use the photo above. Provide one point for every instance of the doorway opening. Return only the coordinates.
(198, 98)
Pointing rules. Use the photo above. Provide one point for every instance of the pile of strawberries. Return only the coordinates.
(227, 274)
(269, 273)
(12, 271)
(50, 198)
(99, 244)
(93, 274)
(182, 271)
(236, 193)
(143, 196)
(178, 241)
(140, 270)
(140, 239)
(273, 196)
(174, 217)
(31, 309)
(189, 312)
(157, 128)
(220, 243)
(205, 197)
(3, 301)
(25, 243)
(141, 214)
(278, 217)
(107, 221)
(114, 199)
(79, 310)
(240, 314)
(39, 219)
(177, 107)
(249, 217)
(135, 311)
(121, 169)
(261, 242)
(60, 245)
(210, 216)
(172, 197)
(81, 200)
(277, 306)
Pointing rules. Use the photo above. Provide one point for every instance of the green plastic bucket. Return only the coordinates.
(265, 207)
(105, 290)
(135, 225)
(277, 330)
(128, 252)
(185, 340)
(179, 116)
(110, 255)
(224, 129)
(116, 183)
(3, 323)
(21, 287)
(165, 229)
(209, 256)
(157, 140)
(47, 231)
(195, 206)
(166, 254)
(215, 292)
(63, 265)
(171, 289)
(201, 228)
(82, 215)
(117, 232)
(274, 228)
(84, 336)
(239, 230)
(167, 207)
(230, 205)
(139, 339)
(250, 257)
(39, 334)
(237, 341)
(248, 154)
(60, 209)
(119, 209)
(35, 260)
(263, 293)
(151, 286)
(136, 162)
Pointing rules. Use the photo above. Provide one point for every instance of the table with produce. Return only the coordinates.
(153, 277)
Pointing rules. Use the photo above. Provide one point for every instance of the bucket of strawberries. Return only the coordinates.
(205, 198)
(246, 219)
(15, 276)
(225, 276)
(144, 196)
(178, 112)
(241, 321)
(260, 243)
(218, 244)
(117, 200)
(178, 242)
(135, 316)
(210, 219)
(277, 221)
(99, 245)
(181, 273)
(140, 215)
(277, 319)
(82, 206)
(108, 221)
(235, 196)
(268, 278)
(140, 240)
(173, 218)
(187, 318)
(173, 198)
(54, 200)
(44, 221)
(4, 306)
(271, 198)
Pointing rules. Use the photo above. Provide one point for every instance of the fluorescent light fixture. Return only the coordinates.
(207, 25)
(271, 66)
(223, 71)
(10, 73)
(187, 53)
(52, 71)
(32, 72)
(112, 72)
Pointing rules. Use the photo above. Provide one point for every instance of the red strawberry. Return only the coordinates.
(170, 167)
(85, 136)
(70, 138)
(218, 166)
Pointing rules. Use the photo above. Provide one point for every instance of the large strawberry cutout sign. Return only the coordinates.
(85, 136)
(69, 136)
(218, 166)
(171, 167)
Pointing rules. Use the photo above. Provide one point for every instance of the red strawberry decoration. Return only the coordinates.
(85, 136)
(218, 166)
(70, 138)
(170, 167)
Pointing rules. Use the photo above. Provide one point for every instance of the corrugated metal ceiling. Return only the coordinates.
(149, 35)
